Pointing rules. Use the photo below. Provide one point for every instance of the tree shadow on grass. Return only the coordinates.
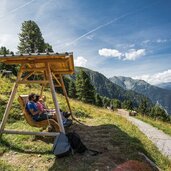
(116, 147)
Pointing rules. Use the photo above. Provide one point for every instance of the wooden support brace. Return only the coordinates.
(33, 82)
(14, 90)
(58, 114)
(65, 94)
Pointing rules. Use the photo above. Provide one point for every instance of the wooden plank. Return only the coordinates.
(33, 60)
(36, 56)
(33, 69)
(59, 84)
(27, 76)
(33, 82)
(42, 89)
(58, 114)
(30, 133)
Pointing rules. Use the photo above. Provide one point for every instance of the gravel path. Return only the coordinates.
(158, 137)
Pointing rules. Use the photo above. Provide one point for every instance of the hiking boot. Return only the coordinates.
(67, 123)
(66, 114)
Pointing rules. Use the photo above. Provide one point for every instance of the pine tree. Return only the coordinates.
(48, 47)
(158, 112)
(106, 101)
(4, 50)
(116, 103)
(31, 39)
(72, 89)
(13, 68)
(143, 107)
(84, 89)
(98, 100)
(127, 104)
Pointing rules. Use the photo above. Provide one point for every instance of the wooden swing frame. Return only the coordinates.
(51, 67)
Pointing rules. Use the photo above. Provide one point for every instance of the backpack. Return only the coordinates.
(71, 142)
(77, 145)
(61, 146)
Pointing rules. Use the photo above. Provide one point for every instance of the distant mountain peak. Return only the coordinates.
(156, 94)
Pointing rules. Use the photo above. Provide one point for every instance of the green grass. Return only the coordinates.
(164, 126)
(4, 166)
(103, 130)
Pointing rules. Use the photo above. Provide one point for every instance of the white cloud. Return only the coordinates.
(110, 53)
(161, 40)
(80, 61)
(133, 54)
(161, 77)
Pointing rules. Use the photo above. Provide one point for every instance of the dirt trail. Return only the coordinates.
(158, 137)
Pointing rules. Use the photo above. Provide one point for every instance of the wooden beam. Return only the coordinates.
(33, 60)
(59, 84)
(14, 90)
(66, 95)
(27, 76)
(30, 133)
(34, 82)
(58, 114)
(42, 89)
(33, 69)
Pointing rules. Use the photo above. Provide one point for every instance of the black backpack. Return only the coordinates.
(77, 145)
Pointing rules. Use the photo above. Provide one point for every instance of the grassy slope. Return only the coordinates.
(103, 130)
(164, 126)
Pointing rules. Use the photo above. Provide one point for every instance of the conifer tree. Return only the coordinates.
(143, 107)
(84, 89)
(127, 104)
(106, 101)
(158, 112)
(13, 68)
(31, 39)
(116, 103)
(98, 100)
(72, 89)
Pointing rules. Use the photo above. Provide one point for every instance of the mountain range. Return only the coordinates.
(106, 87)
(165, 85)
(126, 88)
(156, 94)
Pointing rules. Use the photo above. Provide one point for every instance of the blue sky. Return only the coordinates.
(114, 37)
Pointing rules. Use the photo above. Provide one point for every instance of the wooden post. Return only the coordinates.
(14, 90)
(58, 114)
(42, 89)
(66, 95)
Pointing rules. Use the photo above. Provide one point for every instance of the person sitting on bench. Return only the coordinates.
(39, 115)
(41, 104)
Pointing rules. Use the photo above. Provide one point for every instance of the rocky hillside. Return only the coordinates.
(107, 88)
(156, 94)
